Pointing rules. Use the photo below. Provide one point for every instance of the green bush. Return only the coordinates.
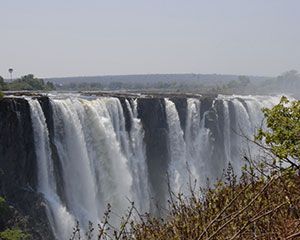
(14, 234)
(282, 137)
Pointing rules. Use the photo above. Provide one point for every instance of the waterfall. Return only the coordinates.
(137, 160)
(197, 154)
(197, 138)
(100, 162)
(61, 221)
(227, 132)
(178, 165)
(96, 152)
(189, 148)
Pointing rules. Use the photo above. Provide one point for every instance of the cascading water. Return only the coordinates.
(241, 125)
(137, 159)
(197, 139)
(60, 218)
(178, 165)
(100, 162)
(192, 156)
(93, 158)
(190, 150)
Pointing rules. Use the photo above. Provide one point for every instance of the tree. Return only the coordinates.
(1, 86)
(30, 82)
(10, 72)
(50, 86)
(282, 136)
(244, 81)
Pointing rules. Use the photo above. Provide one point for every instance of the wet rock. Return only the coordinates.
(18, 167)
(153, 117)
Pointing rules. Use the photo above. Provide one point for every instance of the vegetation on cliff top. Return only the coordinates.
(288, 82)
(1, 83)
(27, 82)
(263, 204)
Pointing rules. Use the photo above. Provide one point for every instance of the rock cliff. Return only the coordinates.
(18, 169)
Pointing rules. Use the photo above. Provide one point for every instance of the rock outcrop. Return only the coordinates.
(152, 113)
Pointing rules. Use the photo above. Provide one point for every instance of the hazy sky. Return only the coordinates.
(104, 37)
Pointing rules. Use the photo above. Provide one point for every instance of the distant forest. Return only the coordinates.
(288, 83)
(149, 82)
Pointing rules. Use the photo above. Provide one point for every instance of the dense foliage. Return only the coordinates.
(14, 234)
(27, 82)
(282, 136)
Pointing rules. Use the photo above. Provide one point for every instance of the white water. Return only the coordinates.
(192, 155)
(178, 166)
(97, 161)
(100, 162)
(249, 118)
(137, 160)
(60, 219)
(197, 139)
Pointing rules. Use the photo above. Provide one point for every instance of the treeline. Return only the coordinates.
(172, 85)
(231, 86)
(288, 82)
(28, 82)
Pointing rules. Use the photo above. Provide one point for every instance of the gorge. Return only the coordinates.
(63, 158)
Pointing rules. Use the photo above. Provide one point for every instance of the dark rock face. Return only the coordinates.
(17, 155)
(18, 167)
(48, 112)
(126, 113)
(206, 104)
(153, 116)
(181, 107)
